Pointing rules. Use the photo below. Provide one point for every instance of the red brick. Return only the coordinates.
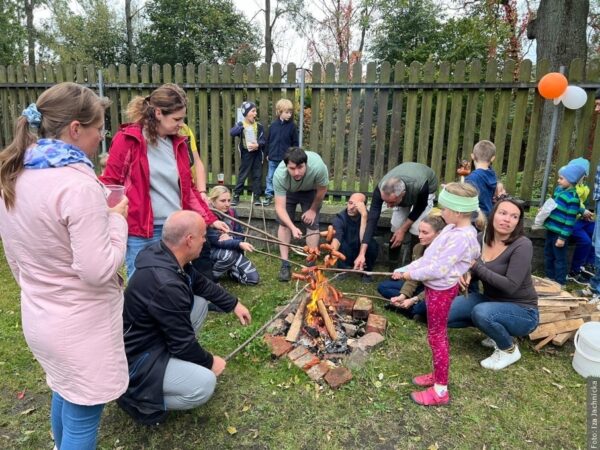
(337, 377)
(344, 306)
(362, 308)
(317, 372)
(376, 324)
(370, 340)
(307, 361)
(278, 345)
(297, 352)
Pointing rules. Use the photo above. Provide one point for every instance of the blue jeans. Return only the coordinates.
(272, 165)
(498, 320)
(391, 288)
(75, 427)
(582, 236)
(555, 258)
(136, 244)
(595, 281)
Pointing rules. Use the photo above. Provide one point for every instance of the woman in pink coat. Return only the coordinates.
(64, 246)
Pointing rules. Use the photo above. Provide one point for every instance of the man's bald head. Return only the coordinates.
(354, 200)
(181, 224)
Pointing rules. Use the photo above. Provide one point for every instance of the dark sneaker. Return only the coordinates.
(235, 200)
(367, 278)
(578, 278)
(588, 270)
(257, 201)
(285, 274)
(267, 200)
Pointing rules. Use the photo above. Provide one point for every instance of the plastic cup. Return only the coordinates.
(221, 178)
(116, 194)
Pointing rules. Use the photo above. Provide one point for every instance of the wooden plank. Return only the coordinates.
(367, 130)
(5, 112)
(30, 91)
(123, 94)
(544, 342)
(531, 150)
(264, 104)
(290, 93)
(296, 325)
(425, 121)
(215, 141)
(544, 286)
(14, 112)
(504, 104)
(315, 109)
(203, 138)
(382, 115)
(411, 114)
(551, 309)
(562, 326)
(594, 149)
(192, 117)
(471, 110)
(396, 130)
(276, 94)
(561, 338)
(518, 126)
(111, 77)
(439, 127)
(454, 126)
(354, 127)
(551, 302)
(167, 73)
(328, 102)
(487, 109)
(340, 130)
(228, 121)
(552, 317)
(238, 98)
(21, 92)
(69, 72)
(79, 73)
(565, 133)
(145, 77)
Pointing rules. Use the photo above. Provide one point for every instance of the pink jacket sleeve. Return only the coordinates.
(98, 237)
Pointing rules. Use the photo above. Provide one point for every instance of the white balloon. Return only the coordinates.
(574, 97)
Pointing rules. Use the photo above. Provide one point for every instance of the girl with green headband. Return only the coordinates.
(446, 259)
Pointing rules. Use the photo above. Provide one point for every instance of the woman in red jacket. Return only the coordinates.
(151, 160)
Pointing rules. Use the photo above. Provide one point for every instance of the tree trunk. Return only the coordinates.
(560, 31)
(129, 30)
(29, 5)
(268, 37)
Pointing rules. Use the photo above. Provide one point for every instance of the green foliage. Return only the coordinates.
(197, 31)
(418, 31)
(13, 36)
(94, 36)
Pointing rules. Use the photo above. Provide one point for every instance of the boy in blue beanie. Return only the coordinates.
(561, 221)
(251, 147)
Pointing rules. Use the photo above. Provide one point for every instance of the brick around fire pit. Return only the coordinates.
(297, 352)
(278, 345)
(317, 372)
(362, 308)
(307, 361)
(376, 324)
(337, 377)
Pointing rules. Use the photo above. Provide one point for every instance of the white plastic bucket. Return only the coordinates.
(586, 360)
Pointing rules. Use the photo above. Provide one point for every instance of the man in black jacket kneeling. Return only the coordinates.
(165, 306)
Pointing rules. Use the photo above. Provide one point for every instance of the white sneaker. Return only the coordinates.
(489, 343)
(501, 359)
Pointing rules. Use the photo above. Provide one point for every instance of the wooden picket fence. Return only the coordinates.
(363, 119)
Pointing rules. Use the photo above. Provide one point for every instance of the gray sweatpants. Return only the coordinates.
(187, 385)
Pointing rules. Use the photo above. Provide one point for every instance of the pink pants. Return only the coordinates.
(438, 306)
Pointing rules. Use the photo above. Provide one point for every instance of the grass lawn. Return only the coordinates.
(264, 403)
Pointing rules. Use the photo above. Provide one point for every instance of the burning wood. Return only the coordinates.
(296, 325)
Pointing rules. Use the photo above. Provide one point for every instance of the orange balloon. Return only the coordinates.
(552, 85)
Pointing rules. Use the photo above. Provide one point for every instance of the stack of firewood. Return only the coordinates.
(561, 313)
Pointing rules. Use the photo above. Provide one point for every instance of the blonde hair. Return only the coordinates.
(169, 98)
(283, 105)
(467, 190)
(484, 151)
(59, 106)
(215, 193)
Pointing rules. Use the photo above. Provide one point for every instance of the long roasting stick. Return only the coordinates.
(259, 238)
(251, 227)
(278, 257)
(364, 272)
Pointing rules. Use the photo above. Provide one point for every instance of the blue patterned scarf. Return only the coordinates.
(48, 153)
